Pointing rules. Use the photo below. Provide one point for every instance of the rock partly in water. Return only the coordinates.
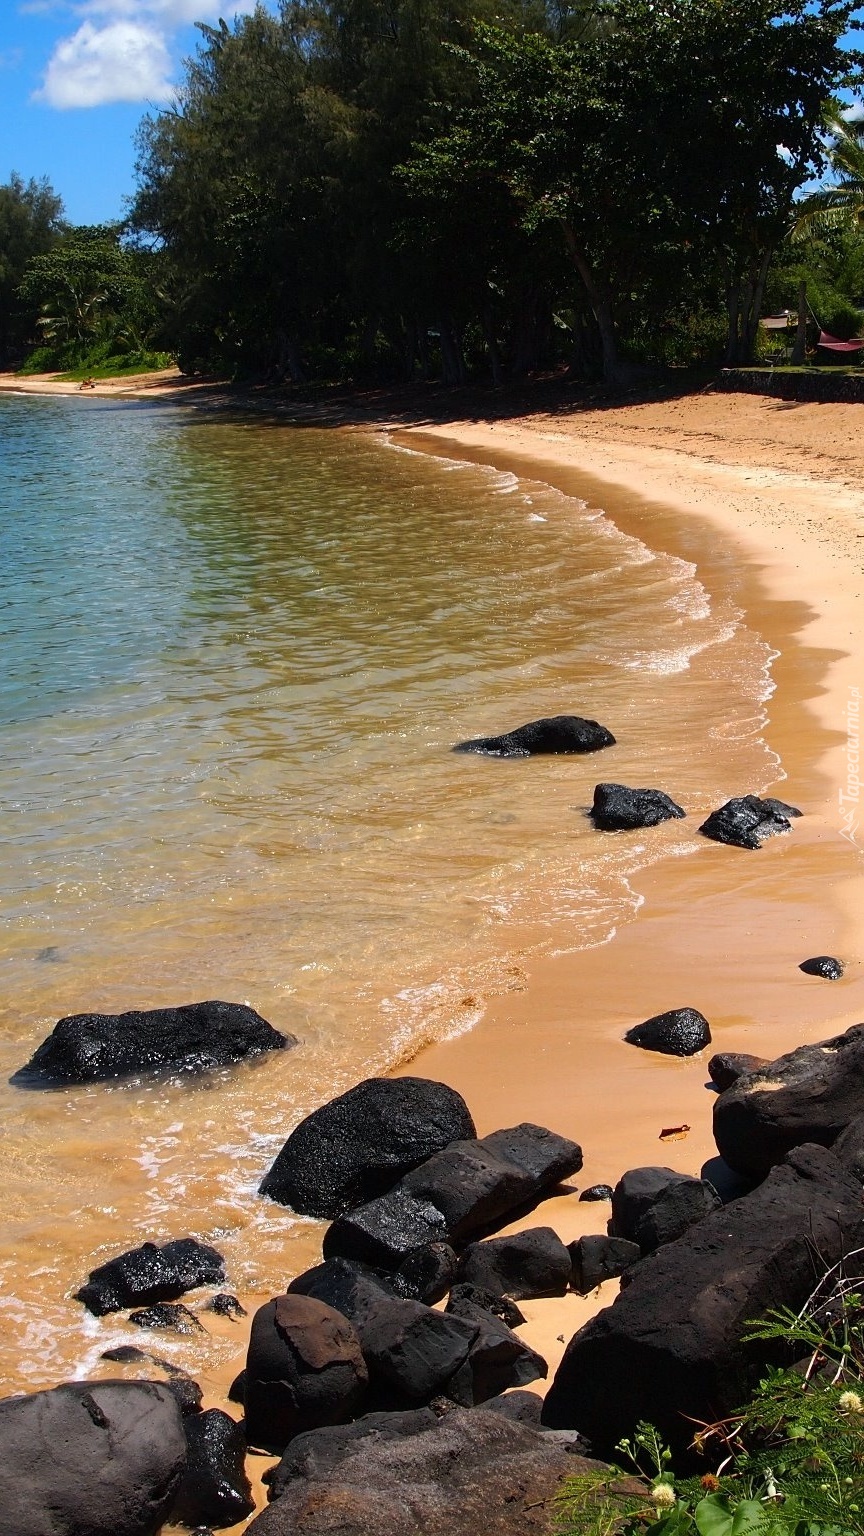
(88, 1047)
(215, 1490)
(596, 1258)
(680, 1032)
(304, 1368)
(669, 1348)
(809, 1095)
(90, 1458)
(150, 1274)
(359, 1145)
(619, 809)
(557, 734)
(726, 1068)
(226, 1305)
(823, 965)
(524, 1266)
(170, 1315)
(474, 1471)
(747, 821)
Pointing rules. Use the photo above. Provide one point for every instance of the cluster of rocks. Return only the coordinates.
(744, 822)
(392, 1414)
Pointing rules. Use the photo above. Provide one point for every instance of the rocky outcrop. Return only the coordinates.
(669, 1348)
(87, 1047)
(653, 1206)
(360, 1144)
(474, 1471)
(149, 1274)
(809, 1095)
(619, 809)
(215, 1489)
(680, 1032)
(822, 965)
(304, 1368)
(523, 1266)
(726, 1068)
(317, 1453)
(598, 1258)
(556, 734)
(747, 821)
(427, 1274)
(90, 1458)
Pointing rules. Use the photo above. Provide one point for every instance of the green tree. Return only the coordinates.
(840, 203)
(91, 287)
(31, 221)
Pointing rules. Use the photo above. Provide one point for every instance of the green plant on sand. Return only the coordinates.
(789, 1463)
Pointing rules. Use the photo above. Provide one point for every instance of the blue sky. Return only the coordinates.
(76, 77)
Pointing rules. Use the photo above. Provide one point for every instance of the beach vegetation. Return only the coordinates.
(31, 222)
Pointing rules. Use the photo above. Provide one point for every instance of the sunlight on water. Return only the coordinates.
(236, 656)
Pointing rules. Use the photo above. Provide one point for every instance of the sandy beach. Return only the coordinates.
(765, 499)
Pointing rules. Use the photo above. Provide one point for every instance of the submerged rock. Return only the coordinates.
(360, 1144)
(618, 809)
(747, 821)
(557, 734)
(90, 1458)
(680, 1032)
(823, 965)
(87, 1047)
(172, 1316)
(150, 1274)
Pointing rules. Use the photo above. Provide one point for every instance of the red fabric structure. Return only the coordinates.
(832, 344)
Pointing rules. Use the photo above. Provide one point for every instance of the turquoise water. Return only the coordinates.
(236, 657)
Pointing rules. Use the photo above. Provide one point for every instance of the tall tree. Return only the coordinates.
(31, 221)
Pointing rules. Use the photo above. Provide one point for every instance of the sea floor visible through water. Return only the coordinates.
(238, 655)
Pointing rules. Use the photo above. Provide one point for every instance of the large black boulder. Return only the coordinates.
(669, 1350)
(653, 1206)
(679, 1032)
(811, 1094)
(556, 734)
(90, 1458)
(619, 809)
(345, 1284)
(725, 1068)
(317, 1453)
(849, 1148)
(747, 821)
(87, 1047)
(523, 1266)
(473, 1471)
(304, 1368)
(822, 965)
(360, 1144)
(150, 1274)
(215, 1489)
(386, 1233)
(497, 1359)
(427, 1274)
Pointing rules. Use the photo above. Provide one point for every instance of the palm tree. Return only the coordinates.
(841, 203)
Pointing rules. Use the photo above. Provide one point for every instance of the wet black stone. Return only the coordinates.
(151, 1274)
(225, 1305)
(597, 1192)
(556, 734)
(747, 821)
(680, 1032)
(464, 1297)
(619, 809)
(168, 1315)
(823, 965)
(215, 1488)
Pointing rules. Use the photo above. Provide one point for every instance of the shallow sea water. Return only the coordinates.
(236, 656)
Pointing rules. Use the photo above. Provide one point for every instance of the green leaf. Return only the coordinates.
(713, 1516)
(748, 1517)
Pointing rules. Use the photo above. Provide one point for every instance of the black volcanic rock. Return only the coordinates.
(170, 1315)
(557, 734)
(90, 1458)
(809, 1095)
(597, 1192)
(150, 1274)
(87, 1047)
(596, 1258)
(386, 1232)
(747, 821)
(823, 965)
(360, 1144)
(304, 1368)
(427, 1274)
(653, 1206)
(680, 1032)
(726, 1068)
(668, 1350)
(522, 1266)
(215, 1489)
(619, 809)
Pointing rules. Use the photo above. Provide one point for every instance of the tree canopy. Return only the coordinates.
(31, 221)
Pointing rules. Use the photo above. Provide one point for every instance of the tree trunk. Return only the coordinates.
(755, 291)
(616, 371)
(289, 364)
(799, 351)
(493, 349)
(452, 360)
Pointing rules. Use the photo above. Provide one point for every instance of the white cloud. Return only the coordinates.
(123, 61)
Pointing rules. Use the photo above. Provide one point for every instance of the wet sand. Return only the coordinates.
(717, 480)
